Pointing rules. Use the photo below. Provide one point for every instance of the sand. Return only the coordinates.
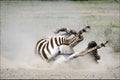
(23, 23)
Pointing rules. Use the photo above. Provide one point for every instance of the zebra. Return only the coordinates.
(92, 45)
(50, 48)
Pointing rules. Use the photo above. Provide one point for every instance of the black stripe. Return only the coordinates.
(60, 41)
(84, 30)
(48, 48)
(56, 41)
(40, 46)
(39, 42)
(43, 52)
(37, 45)
(52, 43)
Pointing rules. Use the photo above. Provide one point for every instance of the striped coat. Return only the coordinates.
(49, 48)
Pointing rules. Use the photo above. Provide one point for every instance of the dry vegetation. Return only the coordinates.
(112, 33)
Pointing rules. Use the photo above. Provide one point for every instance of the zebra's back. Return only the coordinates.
(49, 48)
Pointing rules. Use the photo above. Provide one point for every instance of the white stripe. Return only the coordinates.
(46, 52)
(54, 43)
(58, 40)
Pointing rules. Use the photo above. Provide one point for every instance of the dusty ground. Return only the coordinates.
(24, 23)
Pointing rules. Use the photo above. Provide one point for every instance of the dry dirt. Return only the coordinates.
(23, 23)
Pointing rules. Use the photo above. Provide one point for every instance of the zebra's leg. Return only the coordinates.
(75, 55)
(78, 54)
(68, 31)
(79, 37)
(61, 30)
(96, 55)
(64, 59)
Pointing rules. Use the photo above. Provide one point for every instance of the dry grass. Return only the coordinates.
(112, 33)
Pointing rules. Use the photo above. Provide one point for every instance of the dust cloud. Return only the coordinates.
(23, 23)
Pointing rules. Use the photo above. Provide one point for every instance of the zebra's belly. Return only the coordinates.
(62, 58)
(65, 49)
(52, 55)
